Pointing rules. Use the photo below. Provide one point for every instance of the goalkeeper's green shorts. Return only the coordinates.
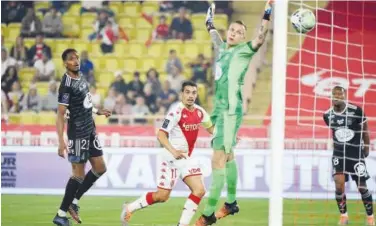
(225, 130)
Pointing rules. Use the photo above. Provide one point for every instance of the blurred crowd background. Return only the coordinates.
(135, 55)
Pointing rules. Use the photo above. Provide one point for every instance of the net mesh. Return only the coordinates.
(339, 51)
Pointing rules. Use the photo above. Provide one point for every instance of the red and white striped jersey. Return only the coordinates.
(182, 125)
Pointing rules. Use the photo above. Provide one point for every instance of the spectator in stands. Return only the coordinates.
(31, 24)
(45, 68)
(175, 100)
(140, 109)
(162, 30)
(6, 61)
(12, 12)
(162, 111)
(99, 24)
(198, 6)
(19, 52)
(87, 67)
(110, 101)
(109, 37)
(119, 84)
(200, 69)
(136, 84)
(62, 6)
(49, 102)
(175, 79)
(9, 77)
(152, 77)
(121, 106)
(173, 61)
(15, 98)
(95, 96)
(107, 9)
(150, 98)
(164, 98)
(35, 52)
(166, 6)
(181, 27)
(4, 106)
(32, 101)
(52, 24)
(131, 97)
(224, 7)
(90, 6)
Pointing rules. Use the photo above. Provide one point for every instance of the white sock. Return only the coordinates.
(141, 202)
(61, 213)
(344, 214)
(75, 201)
(189, 210)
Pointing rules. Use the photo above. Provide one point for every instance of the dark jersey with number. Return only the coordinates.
(74, 93)
(347, 127)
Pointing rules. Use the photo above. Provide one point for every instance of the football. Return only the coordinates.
(303, 20)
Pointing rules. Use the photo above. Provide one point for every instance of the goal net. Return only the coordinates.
(341, 50)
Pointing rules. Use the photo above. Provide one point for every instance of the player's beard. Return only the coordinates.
(338, 104)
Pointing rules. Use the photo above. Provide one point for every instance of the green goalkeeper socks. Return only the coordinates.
(215, 191)
(231, 180)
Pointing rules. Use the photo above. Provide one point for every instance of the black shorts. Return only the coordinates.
(81, 149)
(355, 168)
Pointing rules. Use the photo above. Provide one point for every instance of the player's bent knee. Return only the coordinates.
(161, 195)
(199, 192)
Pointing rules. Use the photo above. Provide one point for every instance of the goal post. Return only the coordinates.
(278, 112)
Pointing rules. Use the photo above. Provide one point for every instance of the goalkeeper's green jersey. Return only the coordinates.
(231, 67)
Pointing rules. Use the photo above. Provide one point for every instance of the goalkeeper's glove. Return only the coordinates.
(268, 9)
(210, 17)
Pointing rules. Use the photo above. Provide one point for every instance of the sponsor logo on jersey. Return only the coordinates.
(65, 98)
(360, 169)
(87, 101)
(199, 114)
(165, 123)
(194, 171)
(190, 127)
(340, 121)
(344, 134)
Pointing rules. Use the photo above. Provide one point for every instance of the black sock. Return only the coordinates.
(70, 190)
(341, 202)
(367, 201)
(89, 180)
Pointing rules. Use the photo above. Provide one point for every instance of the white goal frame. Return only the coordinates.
(278, 112)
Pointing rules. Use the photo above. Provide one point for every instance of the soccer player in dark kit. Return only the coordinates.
(83, 143)
(351, 146)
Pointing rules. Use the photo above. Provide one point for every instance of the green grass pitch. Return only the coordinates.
(32, 210)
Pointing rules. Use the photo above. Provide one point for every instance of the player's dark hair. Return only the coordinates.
(66, 52)
(339, 87)
(187, 83)
(241, 23)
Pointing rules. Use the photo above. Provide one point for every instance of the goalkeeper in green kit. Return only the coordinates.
(232, 60)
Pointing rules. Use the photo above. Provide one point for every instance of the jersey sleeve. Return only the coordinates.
(206, 121)
(65, 92)
(360, 116)
(170, 121)
(251, 51)
(326, 119)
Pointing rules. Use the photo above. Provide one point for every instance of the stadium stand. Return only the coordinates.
(135, 48)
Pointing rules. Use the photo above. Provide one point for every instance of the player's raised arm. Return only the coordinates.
(215, 36)
(262, 32)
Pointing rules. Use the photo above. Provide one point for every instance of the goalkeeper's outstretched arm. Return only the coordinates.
(215, 36)
(262, 32)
